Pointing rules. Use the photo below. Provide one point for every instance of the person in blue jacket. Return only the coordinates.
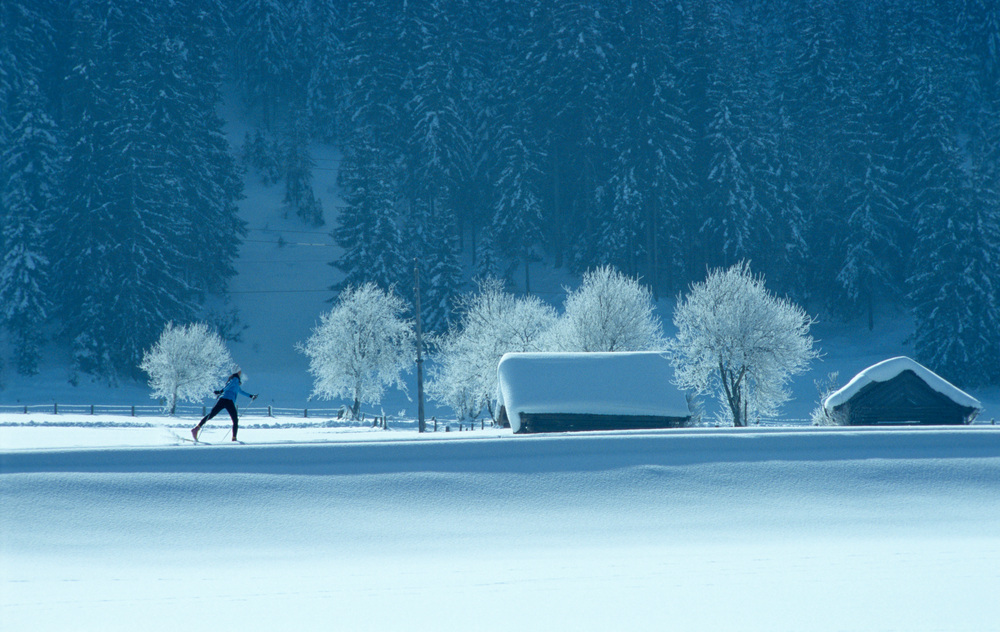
(227, 401)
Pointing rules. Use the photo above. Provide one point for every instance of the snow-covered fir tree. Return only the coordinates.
(30, 197)
(954, 286)
(150, 222)
(871, 253)
(375, 75)
(639, 232)
(517, 216)
(264, 46)
(441, 272)
(325, 87)
(298, 164)
(367, 226)
(262, 155)
(439, 138)
(560, 73)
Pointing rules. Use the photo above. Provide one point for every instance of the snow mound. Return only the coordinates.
(889, 369)
(634, 383)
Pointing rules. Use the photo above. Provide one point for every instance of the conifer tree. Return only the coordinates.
(650, 143)
(150, 223)
(955, 292)
(517, 217)
(325, 87)
(264, 59)
(30, 173)
(299, 195)
(441, 276)
(368, 230)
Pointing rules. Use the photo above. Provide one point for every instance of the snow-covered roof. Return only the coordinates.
(636, 383)
(887, 370)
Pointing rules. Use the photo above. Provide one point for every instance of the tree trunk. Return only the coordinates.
(527, 274)
(734, 394)
(871, 312)
(557, 228)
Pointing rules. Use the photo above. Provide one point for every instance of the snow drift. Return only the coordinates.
(690, 529)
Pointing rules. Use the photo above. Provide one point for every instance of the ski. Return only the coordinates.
(180, 437)
(199, 441)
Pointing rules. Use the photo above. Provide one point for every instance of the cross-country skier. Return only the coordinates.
(227, 400)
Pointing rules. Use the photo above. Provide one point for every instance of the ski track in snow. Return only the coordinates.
(805, 529)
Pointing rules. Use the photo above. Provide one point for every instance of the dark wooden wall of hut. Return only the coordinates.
(905, 399)
(565, 422)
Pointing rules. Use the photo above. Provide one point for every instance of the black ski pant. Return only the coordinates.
(230, 406)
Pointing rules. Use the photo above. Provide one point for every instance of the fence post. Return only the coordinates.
(91, 409)
(305, 413)
(55, 407)
(25, 409)
(269, 411)
(133, 410)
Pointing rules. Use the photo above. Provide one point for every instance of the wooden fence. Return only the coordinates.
(181, 411)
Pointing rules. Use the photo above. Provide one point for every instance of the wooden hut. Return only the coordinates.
(900, 391)
(560, 392)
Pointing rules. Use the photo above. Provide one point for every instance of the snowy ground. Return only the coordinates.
(356, 529)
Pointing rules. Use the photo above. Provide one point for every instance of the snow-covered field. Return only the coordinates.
(123, 528)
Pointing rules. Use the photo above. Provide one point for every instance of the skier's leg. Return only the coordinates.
(215, 411)
(231, 407)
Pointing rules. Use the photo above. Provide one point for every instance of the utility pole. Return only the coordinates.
(420, 360)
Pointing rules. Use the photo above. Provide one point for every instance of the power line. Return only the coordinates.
(326, 291)
(327, 261)
(287, 243)
(298, 232)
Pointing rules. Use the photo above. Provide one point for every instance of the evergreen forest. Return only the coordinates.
(848, 149)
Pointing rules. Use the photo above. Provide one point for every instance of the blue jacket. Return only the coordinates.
(232, 389)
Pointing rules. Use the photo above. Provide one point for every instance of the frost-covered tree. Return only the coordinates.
(740, 342)
(609, 312)
(185, 364)
(361, 346)
(491, 322)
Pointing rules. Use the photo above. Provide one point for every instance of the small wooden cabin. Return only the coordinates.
(900, 391)
(563, 392)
